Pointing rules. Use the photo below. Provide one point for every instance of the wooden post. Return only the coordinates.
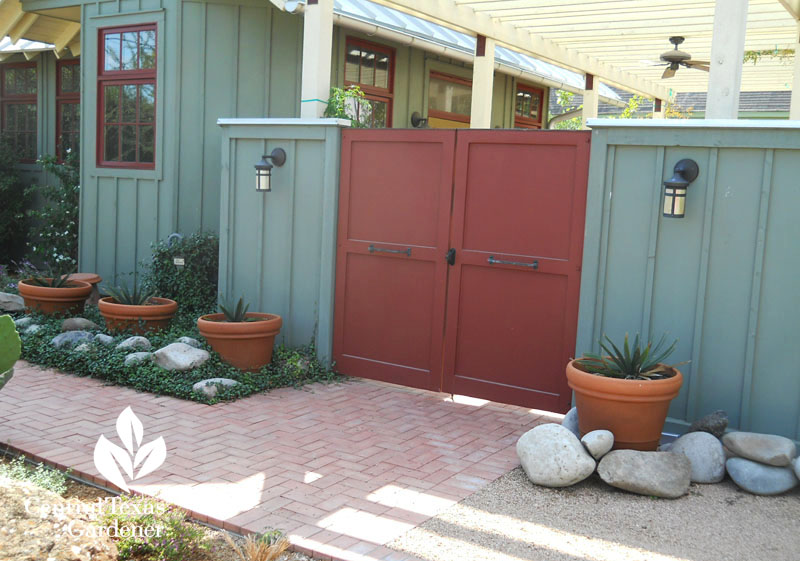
(482, 84)
(590, 100)
(317, 46)
(727, 56)
(659, 109)
(794, 109)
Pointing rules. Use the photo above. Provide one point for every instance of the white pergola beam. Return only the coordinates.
(68, 33)
(22, 27)
(317, 47)
(793, 7)
(794, 108)
(727, 53)
(482, 84)
(449, 13)
(11, 13)
(591, 101)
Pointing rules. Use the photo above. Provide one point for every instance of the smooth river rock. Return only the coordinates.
(191, 341)
(104, 339)
(11, 302)
(71, 339)
(79, 324)
(570, 421)
(658, 474)
(796, 466)
(761, 479)
(23, 322)
(135, 342)
(767, 449)
(705, 453)
(136, 358)
(211, 386)
(598, 442)
(714, 423)
(552, 456)
(180, 356)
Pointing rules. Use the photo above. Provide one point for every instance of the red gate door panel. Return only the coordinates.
(394, 211)
(517, 227)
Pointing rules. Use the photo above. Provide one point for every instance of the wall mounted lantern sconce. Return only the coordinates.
(683, 174)
(264, 169)
(418, 121)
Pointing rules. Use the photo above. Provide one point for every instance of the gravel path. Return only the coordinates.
(512, 519)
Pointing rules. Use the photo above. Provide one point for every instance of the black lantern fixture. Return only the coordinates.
(683, 174)
(264, 169)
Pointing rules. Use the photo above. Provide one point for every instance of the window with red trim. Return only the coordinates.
(126, 86)
(449, 98)
(371, 67)
(528, 107)
(68, 107)
(18, 116)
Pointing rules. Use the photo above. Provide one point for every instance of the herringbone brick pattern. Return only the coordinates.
(343, 469)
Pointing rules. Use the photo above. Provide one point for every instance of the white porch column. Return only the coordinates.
(590, 100)
(317, 45)
(794, 109)
(659, 109)
(727, 54)
(482, 84)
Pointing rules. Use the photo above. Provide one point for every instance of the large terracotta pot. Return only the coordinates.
(634, 410)
(138, 319)
(67, 300)
(93, 279)
(247, 345)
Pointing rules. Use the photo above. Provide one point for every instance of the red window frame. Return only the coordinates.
(7, 99)
(525, 122)
(64, 98)
(124, 78)
(372, 92)
(438, 114)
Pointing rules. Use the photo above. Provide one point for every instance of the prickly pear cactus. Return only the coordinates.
(10, 348)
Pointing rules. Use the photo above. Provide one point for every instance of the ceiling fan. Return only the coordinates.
(675, 58)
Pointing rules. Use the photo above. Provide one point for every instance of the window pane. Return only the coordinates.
(146, 144)
(70, 78)
(444, 95)
(70, 117)
(129, 103)
(111, 148)
(111, 97)
(147, 101)
(367, 67)
(128, 143)
(20, 81)
(147, 49)
(351, 65)
(382, 71)
(129, 50)
(378, 118)
(112, 52)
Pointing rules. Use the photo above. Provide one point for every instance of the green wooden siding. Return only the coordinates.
(722, 280)
(215, 59)
(278, 249)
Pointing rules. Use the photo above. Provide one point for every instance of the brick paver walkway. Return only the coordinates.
(343, 469)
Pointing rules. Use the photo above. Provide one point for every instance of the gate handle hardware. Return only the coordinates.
(450, 256)
(373, 249)
(534, 265)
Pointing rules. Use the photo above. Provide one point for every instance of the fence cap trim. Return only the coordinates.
(224, 122)
(693, 124)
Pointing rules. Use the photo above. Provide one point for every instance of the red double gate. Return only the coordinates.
(458, 260)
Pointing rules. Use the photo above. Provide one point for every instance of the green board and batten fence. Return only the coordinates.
(723, 280)
(278, 249)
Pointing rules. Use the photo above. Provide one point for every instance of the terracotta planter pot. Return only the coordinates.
(68, 300)
(94, 280)
(138, 319)
(634, 410)
(247, 345)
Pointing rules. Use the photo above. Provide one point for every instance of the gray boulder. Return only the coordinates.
(136, 342)
(767, 449)
(796, 466)
(552, 456)
(714, 423)
(598, 442)
(70, 339)
(211, 386)
(136, 358)
(180, 356)
(79, 324)
(570, 421)
(104, 339)
(189, 341)
(23, 322)
(11, 302)
(658, 474)
(706, 455)
(761, 479)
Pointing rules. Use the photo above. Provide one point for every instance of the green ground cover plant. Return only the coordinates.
(41, 476)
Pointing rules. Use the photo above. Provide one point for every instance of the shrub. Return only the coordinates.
(193, 285)
(175, 539)
(54, 229)
(40, 476)
(15, 200)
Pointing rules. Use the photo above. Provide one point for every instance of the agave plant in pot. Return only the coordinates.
(136, 310)
(626, 391)
(243, 339)
(54, 293)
